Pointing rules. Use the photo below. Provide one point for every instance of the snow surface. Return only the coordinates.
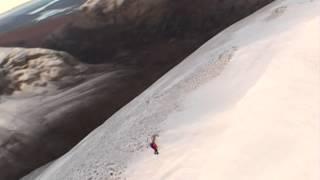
(245, 106)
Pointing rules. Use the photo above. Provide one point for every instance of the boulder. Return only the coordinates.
(37, 70)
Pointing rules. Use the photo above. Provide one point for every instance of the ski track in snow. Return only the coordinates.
(244, 106)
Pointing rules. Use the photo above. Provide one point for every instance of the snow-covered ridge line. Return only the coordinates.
(53, 12)
(243, 106)
(43, 7)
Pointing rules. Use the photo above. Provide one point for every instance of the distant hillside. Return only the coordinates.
(35, 11)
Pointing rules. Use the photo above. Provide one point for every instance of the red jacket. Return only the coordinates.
(154, 146)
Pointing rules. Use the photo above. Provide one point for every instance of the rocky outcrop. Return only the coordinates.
(37, 70)
(27, 77)
(50, 101)
(126, 11)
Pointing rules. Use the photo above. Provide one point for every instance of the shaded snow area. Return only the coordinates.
(245, 106)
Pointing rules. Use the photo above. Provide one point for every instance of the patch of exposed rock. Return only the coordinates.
(37, 70)
(125, 11)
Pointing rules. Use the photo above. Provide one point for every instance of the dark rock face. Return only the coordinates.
(133, 43)
(126, 30)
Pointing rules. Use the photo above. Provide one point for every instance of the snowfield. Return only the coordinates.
(244, 106)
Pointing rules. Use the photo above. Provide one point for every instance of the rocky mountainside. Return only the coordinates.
(48, 110)
(243, 106)
(136, 31)
(50, 101)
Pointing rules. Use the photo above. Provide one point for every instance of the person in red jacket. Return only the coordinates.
(153, 144)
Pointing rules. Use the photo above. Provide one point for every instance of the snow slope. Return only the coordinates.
(245, 106)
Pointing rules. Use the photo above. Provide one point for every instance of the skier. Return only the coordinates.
(153, 144)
